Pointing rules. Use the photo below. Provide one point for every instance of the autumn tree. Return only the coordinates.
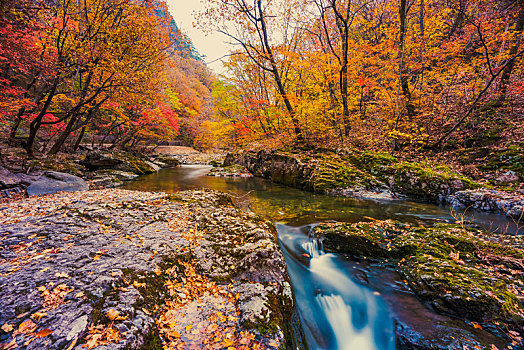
(254, 35)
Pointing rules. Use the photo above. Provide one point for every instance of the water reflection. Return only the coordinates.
(297, 208)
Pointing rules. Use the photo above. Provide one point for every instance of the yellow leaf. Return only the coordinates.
(112, 314)
(7, 327)
(26, 327)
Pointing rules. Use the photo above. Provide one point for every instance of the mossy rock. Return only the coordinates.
(360, 241)
(169, 161)
(61, 163)
(454, 269)
(133, 163)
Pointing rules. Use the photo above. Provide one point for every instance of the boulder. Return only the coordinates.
(455, 270)
(8, 179)
(52, 182)
(97, 161)
(166, 161)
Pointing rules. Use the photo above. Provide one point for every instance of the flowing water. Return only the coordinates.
(335, 309)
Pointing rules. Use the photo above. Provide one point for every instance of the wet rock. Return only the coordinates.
(165, 161)
(52, 182)
(230, 171)
(463, 272)
(362, 174)
(512, 204)
(378, 194)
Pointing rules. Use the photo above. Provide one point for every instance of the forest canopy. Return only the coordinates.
(381, 73)
(116, 72)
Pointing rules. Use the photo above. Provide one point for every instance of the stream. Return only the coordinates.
(342, 304)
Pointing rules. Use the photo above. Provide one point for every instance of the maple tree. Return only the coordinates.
(117, 70)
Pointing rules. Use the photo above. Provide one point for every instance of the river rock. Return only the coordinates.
(8, 179)
(457, 271)
(52, 182)
(353, 173)
(69, 259)
(230, 171)
(512, 204)
(122, 161)
(96, 161)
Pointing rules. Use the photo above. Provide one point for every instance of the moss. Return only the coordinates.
(61, 163)
(457, 270)
(170, 161)
(152, 341)
(98, 315)
(133, 163)
(152, 288)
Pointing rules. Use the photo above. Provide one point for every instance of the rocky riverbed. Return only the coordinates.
(118, 269)
(456, 270)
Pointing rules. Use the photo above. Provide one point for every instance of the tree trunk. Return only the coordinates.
(278, 79)
(15, 126)
(79, 139)
(506, 73)
(37, 122)
(64, 135)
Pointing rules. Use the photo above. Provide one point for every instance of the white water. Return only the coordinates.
(338, 314)
(350, 310)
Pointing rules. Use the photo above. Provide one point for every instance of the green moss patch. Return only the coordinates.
(457, 270)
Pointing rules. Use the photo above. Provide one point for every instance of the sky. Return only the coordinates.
(213, 45)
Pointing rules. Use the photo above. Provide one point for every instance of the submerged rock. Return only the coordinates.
(457, 271)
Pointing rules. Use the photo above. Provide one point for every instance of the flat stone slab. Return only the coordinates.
(69, 260)
(53, 182)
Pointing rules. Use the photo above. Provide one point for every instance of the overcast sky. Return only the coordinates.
(213, 46)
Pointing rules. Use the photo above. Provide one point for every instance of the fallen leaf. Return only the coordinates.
(112, 314)
(27, 326)
(7, 327)
(37, 316)
(43, 333)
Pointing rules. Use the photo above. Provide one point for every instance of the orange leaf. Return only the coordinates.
(43, 333)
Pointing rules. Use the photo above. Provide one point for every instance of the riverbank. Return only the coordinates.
(100, 168)
(135, 270)
(381, 176)
(463, 272)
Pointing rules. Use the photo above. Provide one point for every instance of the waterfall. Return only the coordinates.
(354, 314)
(339, 317)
